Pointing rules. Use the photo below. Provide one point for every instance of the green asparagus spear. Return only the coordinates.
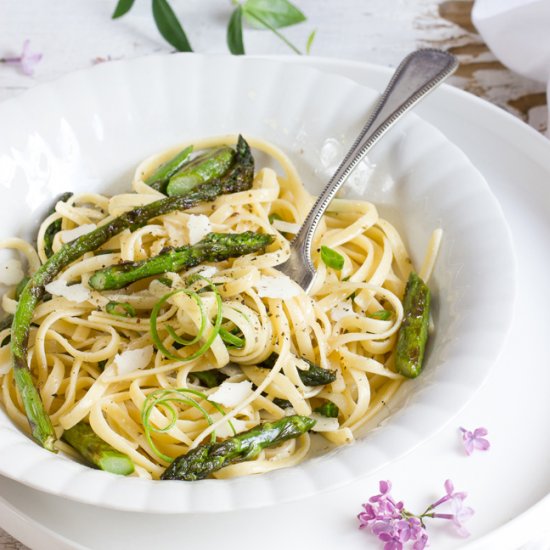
(239, 178)
(20, 286)
(315, 376)
(82, 438)
(413, 333)
(205, 167)
(328, 409)
(54, 227)
(210, 378)
(160, 177)
(283, 403)
(206, 459)
(214, 248)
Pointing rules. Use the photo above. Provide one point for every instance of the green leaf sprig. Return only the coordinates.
(260, 14)
(264, 14)
(331, 258)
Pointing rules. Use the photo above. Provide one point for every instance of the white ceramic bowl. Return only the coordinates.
(89, 130)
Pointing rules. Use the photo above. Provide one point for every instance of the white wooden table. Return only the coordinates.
(75, 35)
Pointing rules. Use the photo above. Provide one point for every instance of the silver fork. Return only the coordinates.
(417, 75)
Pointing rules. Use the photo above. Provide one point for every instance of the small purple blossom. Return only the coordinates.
(399, 529)
(461, 514)
(26, 61)
(475, 440)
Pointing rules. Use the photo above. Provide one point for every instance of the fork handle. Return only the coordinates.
(418, 74)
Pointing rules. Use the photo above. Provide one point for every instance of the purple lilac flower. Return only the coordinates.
(399, 529)
(26, 61)
(390, 522)
(460, 513)
(475, 440)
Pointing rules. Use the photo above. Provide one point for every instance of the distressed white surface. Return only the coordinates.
(72, 35)
(75, 35)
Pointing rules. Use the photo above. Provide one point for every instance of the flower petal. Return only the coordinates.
(482, 444)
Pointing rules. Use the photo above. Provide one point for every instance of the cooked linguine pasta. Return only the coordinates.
(97, 357)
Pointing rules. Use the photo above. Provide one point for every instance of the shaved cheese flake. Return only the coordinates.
(224, 429)
(11, 272)
(286, 227)
(199, 226)
(71, 234)
(132, 360)
(75, 293)
(230, 394)
(208, 271)
(175, 233)
(324, 424)
(277, 287)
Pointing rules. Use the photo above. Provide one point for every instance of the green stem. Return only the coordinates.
(275, 31)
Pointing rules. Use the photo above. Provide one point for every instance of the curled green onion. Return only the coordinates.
(166, 398)
(120, 309)
(211, 337)
(197, 299)
(231, 339)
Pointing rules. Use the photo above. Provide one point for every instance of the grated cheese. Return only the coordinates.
(199, 226)
(75, 293)
(132, 360)
(230, 394)
(277, 287)
(324, 424)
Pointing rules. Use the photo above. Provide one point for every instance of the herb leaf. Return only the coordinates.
(169, 26)
(235, 32)
(120, 309)
(331, 258)
(382, 315)
(272, 13)
(310, 40)
(123, 7)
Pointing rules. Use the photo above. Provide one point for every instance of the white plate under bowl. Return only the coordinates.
(88, 131)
